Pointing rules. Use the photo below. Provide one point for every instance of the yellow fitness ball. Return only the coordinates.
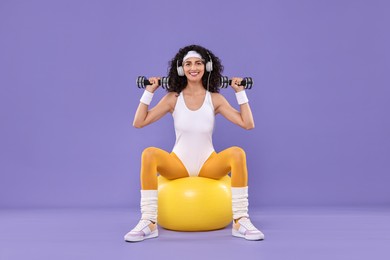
(194, 203)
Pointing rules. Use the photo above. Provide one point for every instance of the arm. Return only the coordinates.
(143, 116)
(243, 118)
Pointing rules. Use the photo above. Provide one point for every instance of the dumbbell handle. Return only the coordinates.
(142, 82)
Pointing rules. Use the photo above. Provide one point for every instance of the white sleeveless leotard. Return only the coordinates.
(194, 130)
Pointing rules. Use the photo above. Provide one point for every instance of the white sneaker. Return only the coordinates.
(245, 229)
(145, 229)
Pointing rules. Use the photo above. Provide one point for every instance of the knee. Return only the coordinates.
(237, 154)
(149, 153)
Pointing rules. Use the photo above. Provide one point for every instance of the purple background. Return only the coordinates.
(320, 100)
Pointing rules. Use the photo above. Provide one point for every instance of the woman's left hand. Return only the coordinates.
(236, 84)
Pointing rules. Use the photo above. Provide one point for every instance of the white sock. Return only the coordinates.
(240, 202)
(149, 204)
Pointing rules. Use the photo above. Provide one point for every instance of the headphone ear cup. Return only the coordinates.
(209, 66)
(180, 71)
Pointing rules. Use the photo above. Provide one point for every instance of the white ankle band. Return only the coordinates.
(149, 204)
(240, 202)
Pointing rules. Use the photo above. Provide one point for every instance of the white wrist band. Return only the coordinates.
(241, 97)
(146, 97)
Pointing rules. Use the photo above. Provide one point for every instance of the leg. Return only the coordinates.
(155, 160)
(232, 160)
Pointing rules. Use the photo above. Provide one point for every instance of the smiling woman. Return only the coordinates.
(193, 100)
(210, 63)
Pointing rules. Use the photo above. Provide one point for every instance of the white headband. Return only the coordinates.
(192, 54)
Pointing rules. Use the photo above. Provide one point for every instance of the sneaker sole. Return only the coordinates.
(235, 233)
(154, 234)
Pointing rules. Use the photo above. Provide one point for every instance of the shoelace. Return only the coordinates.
(142, 224)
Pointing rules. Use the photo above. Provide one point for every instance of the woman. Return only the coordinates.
(193, 100)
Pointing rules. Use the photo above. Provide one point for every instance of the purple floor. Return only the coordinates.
(291, 233)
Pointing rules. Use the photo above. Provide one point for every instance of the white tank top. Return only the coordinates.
(194, 130)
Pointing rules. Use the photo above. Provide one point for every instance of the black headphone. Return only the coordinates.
(209, 66)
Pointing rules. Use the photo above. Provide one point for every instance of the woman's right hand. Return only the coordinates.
(154, 81)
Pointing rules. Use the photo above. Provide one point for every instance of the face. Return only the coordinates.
(194, 69)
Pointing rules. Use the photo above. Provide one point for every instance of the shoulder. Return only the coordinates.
(216, 96)
(217, 99)
(171, 95)
(170, 100)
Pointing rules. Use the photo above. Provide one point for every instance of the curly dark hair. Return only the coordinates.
(178, 83)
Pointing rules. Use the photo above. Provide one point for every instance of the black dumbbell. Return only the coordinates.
(247, 82)
(142, 82)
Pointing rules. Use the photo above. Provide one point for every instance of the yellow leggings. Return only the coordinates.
(155, 160)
